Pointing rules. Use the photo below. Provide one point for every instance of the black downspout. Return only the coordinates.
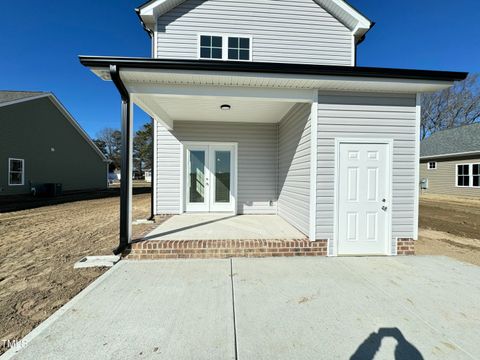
(152, 175)
(125, 171)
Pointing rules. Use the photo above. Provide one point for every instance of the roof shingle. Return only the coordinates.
(8, 96)
(452, 141)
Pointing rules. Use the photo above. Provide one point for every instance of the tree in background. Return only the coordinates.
(452, 107)
(143, 149)
(109, 142)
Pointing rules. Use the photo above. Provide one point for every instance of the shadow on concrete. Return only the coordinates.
(403, 351)
(160, 235)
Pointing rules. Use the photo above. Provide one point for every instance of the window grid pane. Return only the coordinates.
(210, 47)
(15, 175)
(476, 175)
(238, 48)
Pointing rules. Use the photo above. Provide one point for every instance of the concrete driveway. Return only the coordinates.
(310, 308)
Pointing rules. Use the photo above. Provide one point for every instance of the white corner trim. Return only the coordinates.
(418, 120)
(313, 166)
(183, 172)
(354, 50)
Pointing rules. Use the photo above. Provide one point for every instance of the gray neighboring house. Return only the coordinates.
(41, 143)
(450, 162)
(259, 108)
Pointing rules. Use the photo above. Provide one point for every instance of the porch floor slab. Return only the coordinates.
(225, 227)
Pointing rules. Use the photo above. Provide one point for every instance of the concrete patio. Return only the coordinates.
(297, 308)
(208, 226)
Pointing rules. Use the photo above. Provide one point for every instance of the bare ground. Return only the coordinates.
(40, 246)
(450, 226)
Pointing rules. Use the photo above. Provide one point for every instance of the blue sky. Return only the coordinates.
(41, 40)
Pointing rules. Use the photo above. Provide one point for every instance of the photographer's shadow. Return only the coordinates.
(403, 351)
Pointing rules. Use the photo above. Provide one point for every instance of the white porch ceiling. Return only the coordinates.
(208, 109)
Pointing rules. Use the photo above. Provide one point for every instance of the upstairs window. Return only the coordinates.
(463, 175)
(238, 48)
(211, 47)
(432, 165)
(16, 172)
(225, 47)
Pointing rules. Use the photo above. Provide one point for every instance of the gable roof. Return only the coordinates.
(8, 98)
(149, 11)
(457, 141)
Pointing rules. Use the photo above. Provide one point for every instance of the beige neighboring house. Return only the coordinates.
(450, 162)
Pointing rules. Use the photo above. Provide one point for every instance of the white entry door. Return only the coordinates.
(210, 178)
(364, 202)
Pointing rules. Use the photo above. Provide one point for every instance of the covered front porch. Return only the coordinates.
(214, 226)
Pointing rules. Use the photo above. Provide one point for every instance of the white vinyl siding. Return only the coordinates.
(294, 167)
(284, 31)
(383, 116)
(168, 170)
(257, 162)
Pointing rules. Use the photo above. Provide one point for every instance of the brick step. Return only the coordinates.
(222, 249)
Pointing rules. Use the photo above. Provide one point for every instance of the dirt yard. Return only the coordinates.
(450, 226)
(40, 246)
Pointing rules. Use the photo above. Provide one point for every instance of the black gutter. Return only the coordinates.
(125, 170)
(271, 68)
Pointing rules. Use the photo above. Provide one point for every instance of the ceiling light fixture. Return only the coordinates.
(225, 107)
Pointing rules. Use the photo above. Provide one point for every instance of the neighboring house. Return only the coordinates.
(260, 109)
(450, 162)
(148, 175)
(40, 143)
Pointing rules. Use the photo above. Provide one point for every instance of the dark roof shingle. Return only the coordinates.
(452, 141)
(8, 96)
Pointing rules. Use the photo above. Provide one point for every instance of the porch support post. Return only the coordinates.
(313, 166)
(152, 170)
(126, 164)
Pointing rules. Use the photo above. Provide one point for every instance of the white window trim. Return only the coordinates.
(23, 172)
(434, 168)
(225, 37)
(470, 175)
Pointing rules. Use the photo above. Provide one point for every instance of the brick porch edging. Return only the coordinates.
(222, 249)
(405, 247)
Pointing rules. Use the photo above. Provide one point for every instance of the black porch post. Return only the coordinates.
(152, 174)
(126, 164)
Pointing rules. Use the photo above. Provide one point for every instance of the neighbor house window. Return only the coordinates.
(238, 48)
(16, 172)
(476, 175)
(432, 165)
(225, 47)
(211, 47)
(463, 175)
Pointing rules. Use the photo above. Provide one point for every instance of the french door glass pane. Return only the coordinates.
(197, 176)
(222, 176)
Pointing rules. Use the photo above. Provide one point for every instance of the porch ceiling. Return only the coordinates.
(200, 108)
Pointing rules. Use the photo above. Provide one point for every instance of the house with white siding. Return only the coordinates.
(260, 112)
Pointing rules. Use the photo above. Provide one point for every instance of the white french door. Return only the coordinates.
(364, 200)
(210, 178)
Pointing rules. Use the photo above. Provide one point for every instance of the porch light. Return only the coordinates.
(225, 107)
